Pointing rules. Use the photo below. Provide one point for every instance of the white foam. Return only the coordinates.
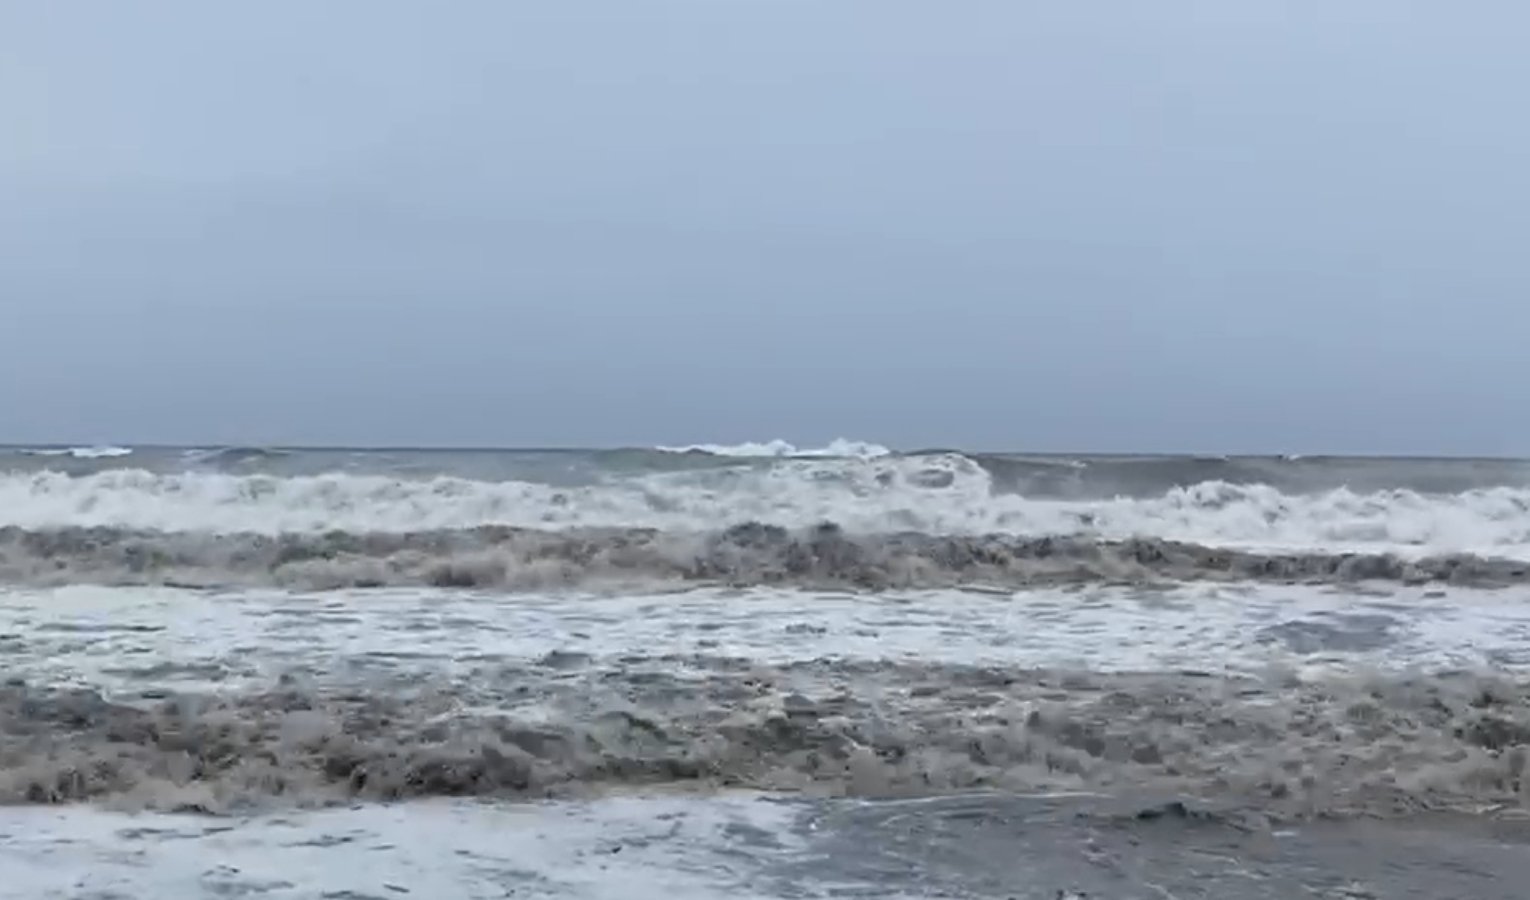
(98, 637)
(670, 847)
(81, 452)
(663, 847)
(943, 494)
(839, 447)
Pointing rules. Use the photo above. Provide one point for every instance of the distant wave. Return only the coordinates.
(231, 455)
(840, 448)
(939, 495)
(79, 452)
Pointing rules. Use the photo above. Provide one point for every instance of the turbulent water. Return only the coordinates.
(713, 670)
(872, 518)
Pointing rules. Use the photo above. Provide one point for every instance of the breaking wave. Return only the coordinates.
(493, 557)
(219, 456)
(933, 495)
(1275, 746)
(78, 452)
(840, 448)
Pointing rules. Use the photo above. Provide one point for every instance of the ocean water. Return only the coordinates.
(760, 671)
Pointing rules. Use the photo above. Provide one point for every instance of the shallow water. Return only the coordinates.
(126, 640)
(747, 847)
(764, 743)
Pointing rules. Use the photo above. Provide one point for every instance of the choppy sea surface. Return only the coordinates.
(760, 671)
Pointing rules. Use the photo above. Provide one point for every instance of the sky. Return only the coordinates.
(1192, 226)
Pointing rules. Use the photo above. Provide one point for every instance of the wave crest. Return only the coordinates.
(839, 448)
(936, 495)
(105, 452)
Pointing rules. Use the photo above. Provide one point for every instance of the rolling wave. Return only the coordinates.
(744, 555)
(1035, 476)
(1373, 747)
(937, 495)
(231, 456)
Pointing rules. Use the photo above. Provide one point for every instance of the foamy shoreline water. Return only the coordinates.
(397, 694)
(649, 713)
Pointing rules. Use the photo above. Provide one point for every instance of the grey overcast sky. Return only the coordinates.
(1209, 226)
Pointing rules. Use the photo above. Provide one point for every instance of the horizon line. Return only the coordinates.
(917, 451)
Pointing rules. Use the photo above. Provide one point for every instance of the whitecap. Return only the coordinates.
(841, 448)
(101, 452)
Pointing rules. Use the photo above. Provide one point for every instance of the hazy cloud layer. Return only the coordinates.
(1207, 226)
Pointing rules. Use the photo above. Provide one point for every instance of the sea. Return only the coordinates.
(761, 671)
